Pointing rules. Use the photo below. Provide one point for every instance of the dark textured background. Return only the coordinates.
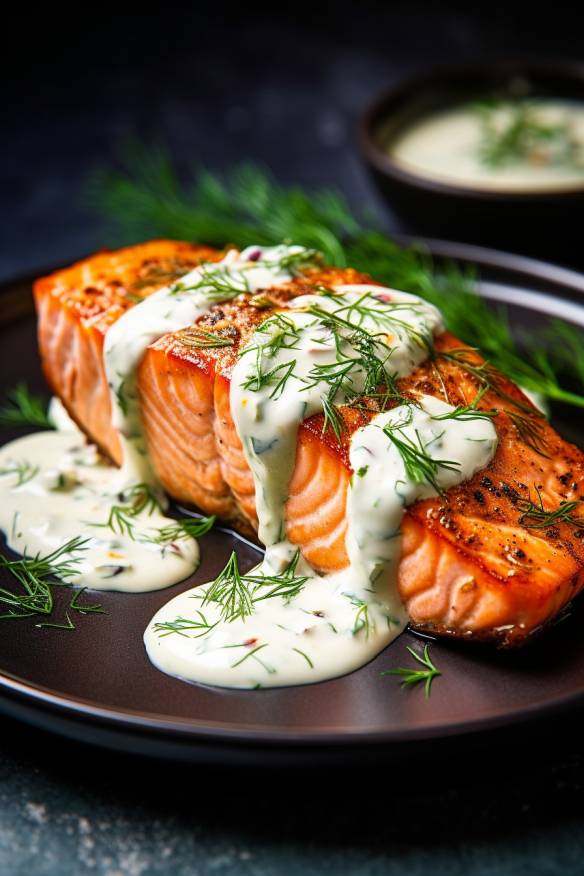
(218, 85)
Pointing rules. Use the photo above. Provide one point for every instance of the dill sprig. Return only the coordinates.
(469, 412)
(420, 466)
(160, 275)
(230, 591)
(530, 429)
(199, 338)
(535, 516)
(368, 359)
(253, 654)
(186, 527)
(538, 360)
(295, 263)
(22, 408)
(277, 376)
(528, 421)
(534, 360)
(94, 608)
(286, 585)
(367, 307)
(565, 341)
(181, 625)
(332, 416)
(23, 470)
(372, 356)
(237, 594)
(68, 625)
(282, 332)
(137, 499)
(484, 374)
(145, 197)
(514, 131)
(362, 620)
(304, 656)
(411, 677)
(341, 387)
(36, 575)
(260, 301)
(218, 282)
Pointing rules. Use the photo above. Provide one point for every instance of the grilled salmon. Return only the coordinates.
(486, 561)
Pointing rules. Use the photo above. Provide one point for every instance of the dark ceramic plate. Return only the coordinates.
(96, 683)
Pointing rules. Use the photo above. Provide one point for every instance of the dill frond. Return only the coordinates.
(411, 677)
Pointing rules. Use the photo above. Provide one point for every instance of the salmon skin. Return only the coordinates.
(480, 563)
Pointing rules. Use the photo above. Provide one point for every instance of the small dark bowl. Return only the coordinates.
(543, 222)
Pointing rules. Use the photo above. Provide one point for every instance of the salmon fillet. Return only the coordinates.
(77, 305)
(474, 564)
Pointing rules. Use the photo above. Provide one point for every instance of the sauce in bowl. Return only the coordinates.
(507, 146)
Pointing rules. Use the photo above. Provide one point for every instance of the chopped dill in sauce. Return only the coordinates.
(23, 470)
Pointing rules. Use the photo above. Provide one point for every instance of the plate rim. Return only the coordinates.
(76, 709)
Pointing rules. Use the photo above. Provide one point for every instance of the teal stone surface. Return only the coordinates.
(67, 809)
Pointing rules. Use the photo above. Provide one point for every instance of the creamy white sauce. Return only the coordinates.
(55, 487)
(337, 622)
(445, 146)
